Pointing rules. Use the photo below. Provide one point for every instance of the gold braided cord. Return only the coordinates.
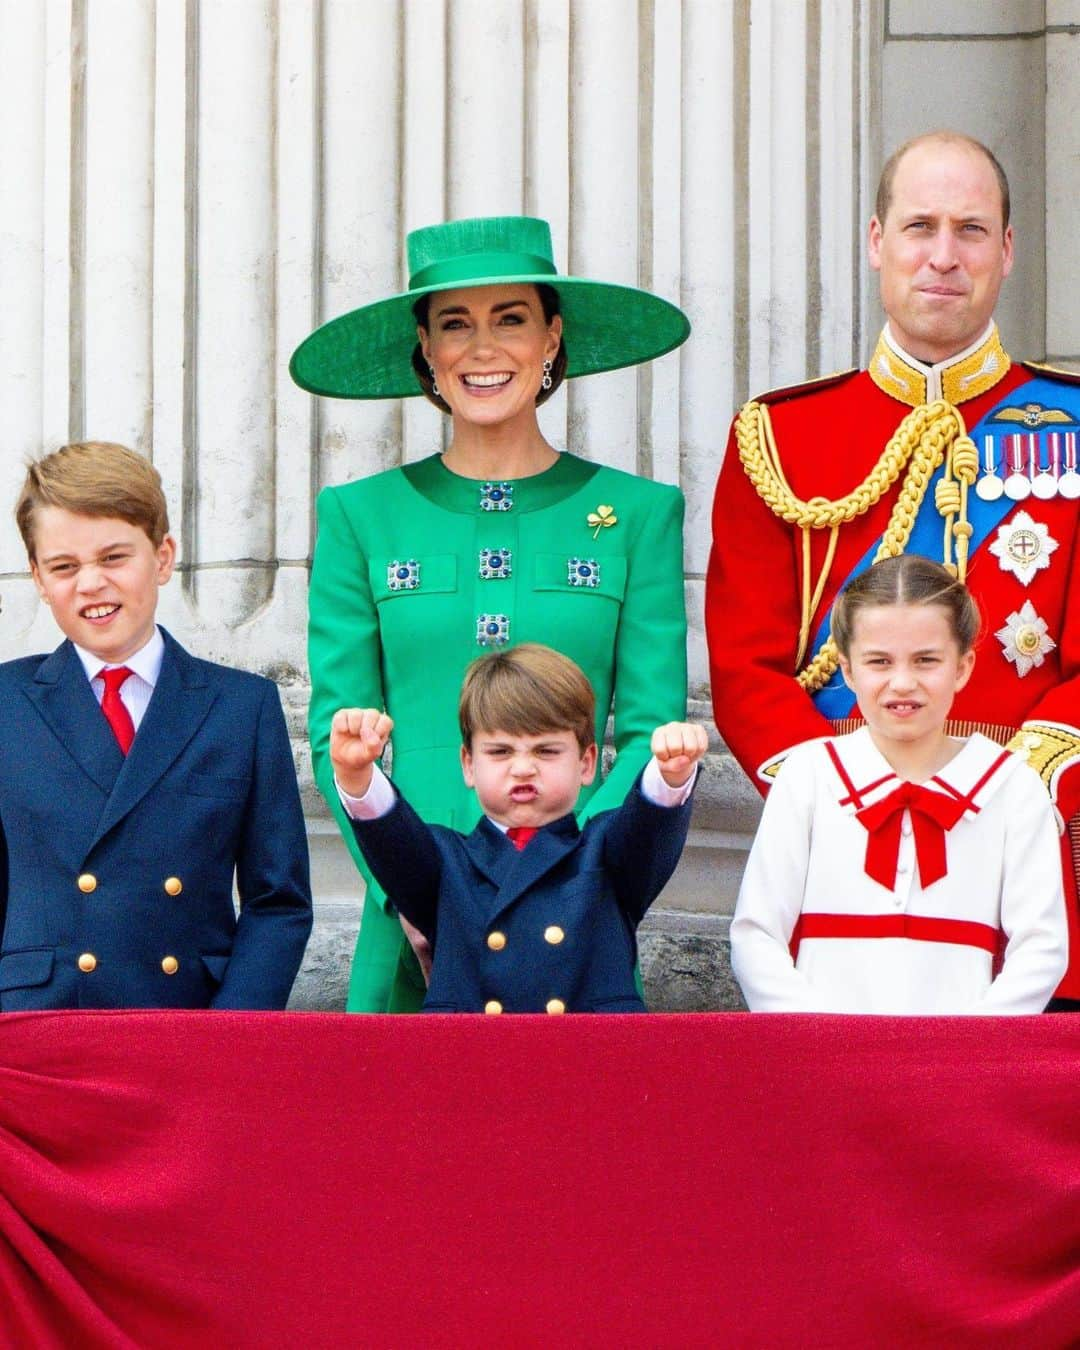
(921, 442)
(761, 460)
(964, 463)
(810, 609)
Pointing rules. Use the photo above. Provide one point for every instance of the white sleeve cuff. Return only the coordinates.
(655, 790)
(377, 800)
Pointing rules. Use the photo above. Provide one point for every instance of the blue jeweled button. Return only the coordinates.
(583, 572)
(496, 496)
(492, 630)
(495, 563)
(403, 574)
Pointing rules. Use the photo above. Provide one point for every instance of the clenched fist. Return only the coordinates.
(358, 737)
(677, 747)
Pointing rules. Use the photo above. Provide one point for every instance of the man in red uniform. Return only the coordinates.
(945, 447)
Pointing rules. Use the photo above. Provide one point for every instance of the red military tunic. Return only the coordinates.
(828, 437)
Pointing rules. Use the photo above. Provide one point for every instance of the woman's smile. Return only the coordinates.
(494, 381)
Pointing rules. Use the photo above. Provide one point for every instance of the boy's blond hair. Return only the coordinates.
(94, 478)
(527, 691)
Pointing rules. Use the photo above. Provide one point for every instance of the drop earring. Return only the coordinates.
(546, 382)
(434, 383)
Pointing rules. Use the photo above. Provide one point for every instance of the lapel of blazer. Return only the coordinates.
(487, 847)
(180, 702)
(62, 695)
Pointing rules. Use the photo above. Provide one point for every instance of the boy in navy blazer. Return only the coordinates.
(136, 781)
(528, 913)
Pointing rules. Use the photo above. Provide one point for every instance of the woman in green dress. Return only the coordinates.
(501, 539)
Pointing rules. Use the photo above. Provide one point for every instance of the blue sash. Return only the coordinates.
(835, 700)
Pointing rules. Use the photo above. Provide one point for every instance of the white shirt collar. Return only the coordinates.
(965, 774)
(146, 662)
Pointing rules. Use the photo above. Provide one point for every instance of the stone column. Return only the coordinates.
(985, 70)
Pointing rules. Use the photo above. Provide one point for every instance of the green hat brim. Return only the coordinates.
(367, 353)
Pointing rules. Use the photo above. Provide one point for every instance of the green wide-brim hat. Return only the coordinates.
(367, 353)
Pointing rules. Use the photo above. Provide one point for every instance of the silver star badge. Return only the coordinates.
(1023, 547)
(1025, 639)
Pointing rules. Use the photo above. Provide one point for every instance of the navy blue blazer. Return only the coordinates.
(116, 874)
(548, 927)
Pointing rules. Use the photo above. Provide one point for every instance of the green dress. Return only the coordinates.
(417, 571)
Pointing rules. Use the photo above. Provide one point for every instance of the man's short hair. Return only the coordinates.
(885, 184)
(527, 691)
(94, 478)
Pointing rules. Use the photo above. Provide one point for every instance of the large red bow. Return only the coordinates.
(932, 813)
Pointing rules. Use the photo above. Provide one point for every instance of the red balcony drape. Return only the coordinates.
(266, 1180)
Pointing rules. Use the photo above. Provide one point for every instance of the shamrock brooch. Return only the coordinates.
(601, 518)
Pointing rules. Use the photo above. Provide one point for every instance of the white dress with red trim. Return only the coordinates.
(867, 894)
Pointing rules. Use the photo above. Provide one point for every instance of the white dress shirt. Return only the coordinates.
(145, 667)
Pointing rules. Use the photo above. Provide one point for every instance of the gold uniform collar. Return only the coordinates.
(964, 376)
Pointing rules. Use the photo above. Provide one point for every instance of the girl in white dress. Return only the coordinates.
(899, 869)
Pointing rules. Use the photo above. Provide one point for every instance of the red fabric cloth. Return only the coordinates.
(114, 708)
(272, 1180)
(519, 835)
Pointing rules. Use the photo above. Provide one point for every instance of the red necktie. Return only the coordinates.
(519, 835)
(932, 813)
(112, 705)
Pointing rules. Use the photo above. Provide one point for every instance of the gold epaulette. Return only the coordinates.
(1052, 372)
(806, 387)
(1049, 748)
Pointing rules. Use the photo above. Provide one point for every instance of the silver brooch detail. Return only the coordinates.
(403, 575)
(1025, 639)
(583, 572)
(495, 563)
(492, 630)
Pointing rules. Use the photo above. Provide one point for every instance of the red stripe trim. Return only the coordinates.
(855, 795)
(1003, 758)
(916, 927)
(969, 798)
